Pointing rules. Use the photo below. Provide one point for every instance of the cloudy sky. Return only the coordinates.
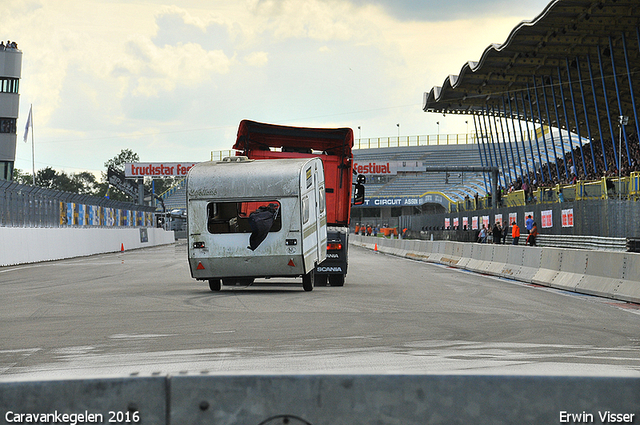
(171, 81)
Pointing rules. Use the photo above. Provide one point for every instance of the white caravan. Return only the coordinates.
(250, 219)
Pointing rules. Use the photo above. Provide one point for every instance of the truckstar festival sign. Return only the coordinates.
(157, 169)
(376, 168)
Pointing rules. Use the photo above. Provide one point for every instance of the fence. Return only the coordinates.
(428, 140)
(33, 206)
(389, 142)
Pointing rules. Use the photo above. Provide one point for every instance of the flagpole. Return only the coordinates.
(33, 149)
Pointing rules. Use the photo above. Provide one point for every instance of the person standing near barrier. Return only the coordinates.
(497, 233)
(515, 233)
(482, 237)
(529, 223)
(505, 232)
(531, 239)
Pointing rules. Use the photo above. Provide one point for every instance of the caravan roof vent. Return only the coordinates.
(236, 159)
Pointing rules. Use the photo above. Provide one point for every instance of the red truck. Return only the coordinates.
(333, 146)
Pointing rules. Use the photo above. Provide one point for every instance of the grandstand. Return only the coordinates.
(415, 182)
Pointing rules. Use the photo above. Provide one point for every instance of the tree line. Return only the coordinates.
(86, 183)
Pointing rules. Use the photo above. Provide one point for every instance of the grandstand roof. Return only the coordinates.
(591, 44)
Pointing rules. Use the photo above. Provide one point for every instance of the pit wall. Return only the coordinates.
(325, 400)
(22, 245)
(606, 274)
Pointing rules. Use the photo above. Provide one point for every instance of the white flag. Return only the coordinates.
(26, 127)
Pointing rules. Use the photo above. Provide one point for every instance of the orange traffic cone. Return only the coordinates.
(375, 248)
(122, 247)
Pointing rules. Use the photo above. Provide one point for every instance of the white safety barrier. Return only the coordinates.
(23, 245)
(606, 274)
(324, 400)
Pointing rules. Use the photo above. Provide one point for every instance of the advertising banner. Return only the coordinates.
(567, 218)
(547, 219)
(485, 221)
(372, 168)
(118, 180)
(157, 169)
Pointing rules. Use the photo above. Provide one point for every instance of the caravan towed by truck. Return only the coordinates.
(334, 146)
(249, 219)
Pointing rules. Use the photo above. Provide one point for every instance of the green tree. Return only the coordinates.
(117, 163)
(21, 177)
(86, 182)
(52, 179)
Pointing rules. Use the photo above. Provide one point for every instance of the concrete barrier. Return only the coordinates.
(573, 266)
(604, 274)
(629, 287)
(481, 258)
(324, 399)
(23, 245)
(549, 266)
(466, 255)
(607, 274)
(531, 262)
(120, 400)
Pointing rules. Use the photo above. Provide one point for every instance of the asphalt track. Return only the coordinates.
(139, 313)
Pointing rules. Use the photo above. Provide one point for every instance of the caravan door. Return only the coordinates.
(314, 215)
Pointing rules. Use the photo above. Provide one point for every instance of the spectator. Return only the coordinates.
(529, 223)
(482, 236)
(497, 233)
(533, 234)
(515, 233)
(505, 231)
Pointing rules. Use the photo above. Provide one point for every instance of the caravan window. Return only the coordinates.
(305, 209)
(322, 200)
(233, 217)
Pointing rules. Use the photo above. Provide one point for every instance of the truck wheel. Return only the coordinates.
(308, 280)
(336, 279)
(214, 284)
(320, 280)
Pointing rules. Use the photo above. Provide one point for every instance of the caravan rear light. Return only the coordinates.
(198, 244)
(334, 246)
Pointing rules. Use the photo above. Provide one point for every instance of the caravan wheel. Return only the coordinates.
(308, 280)
(214, 284)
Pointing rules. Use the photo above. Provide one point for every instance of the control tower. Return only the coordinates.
(10, 70)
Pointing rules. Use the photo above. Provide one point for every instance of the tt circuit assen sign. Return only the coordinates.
(157, 169)
(405, 201)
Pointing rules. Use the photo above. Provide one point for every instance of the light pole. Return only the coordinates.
(398, 125)
(466, 136)
(623, 120)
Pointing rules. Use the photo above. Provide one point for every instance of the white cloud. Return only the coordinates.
(154, 68)
(257, 59)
